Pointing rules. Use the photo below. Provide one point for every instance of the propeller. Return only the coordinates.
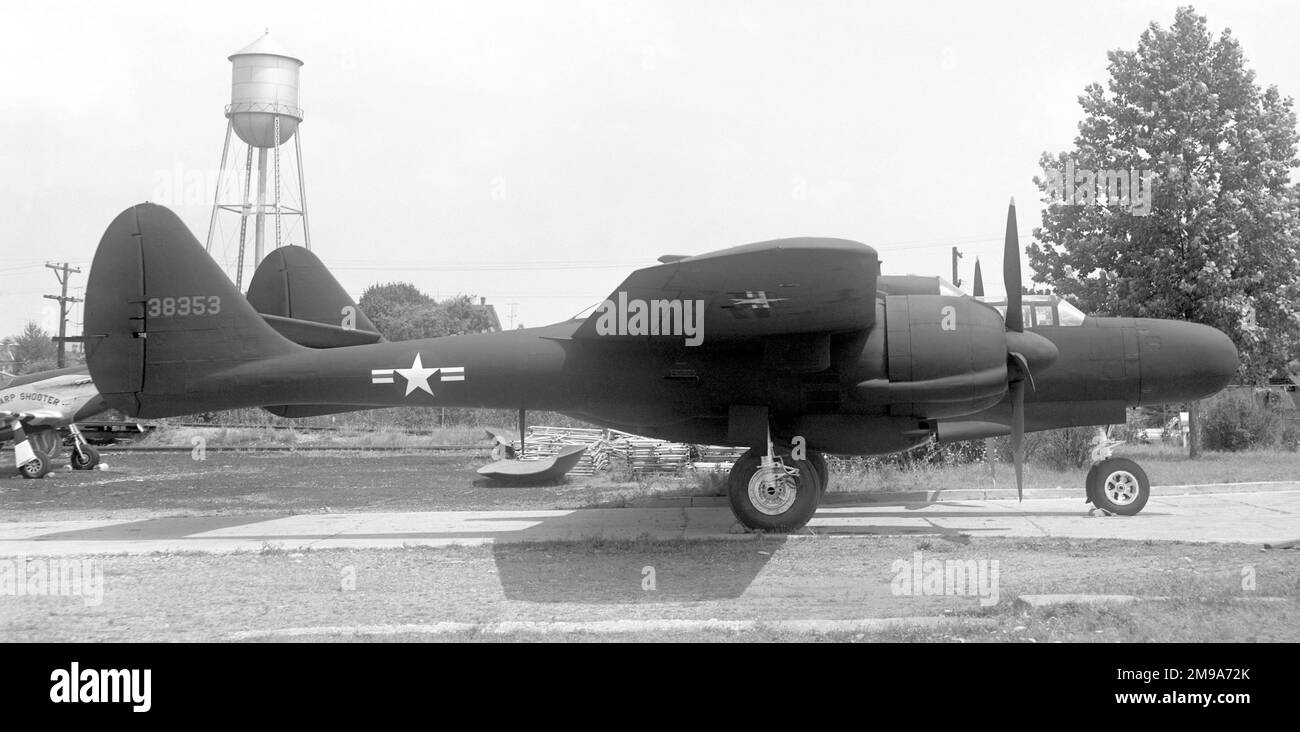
(522, 421)
(1025, 351)
(1011, 272)
(979, 280)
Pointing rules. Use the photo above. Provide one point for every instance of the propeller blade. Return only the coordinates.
(1018, 435)
(1022, 366)
(1011, 271)
(979, 281)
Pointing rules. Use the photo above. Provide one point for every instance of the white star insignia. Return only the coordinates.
(417, 377)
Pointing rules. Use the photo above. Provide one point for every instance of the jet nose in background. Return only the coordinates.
(1184, 361)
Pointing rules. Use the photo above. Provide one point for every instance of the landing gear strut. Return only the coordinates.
(84, 457)
(770, 491)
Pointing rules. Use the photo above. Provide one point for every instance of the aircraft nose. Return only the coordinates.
(1184, 361)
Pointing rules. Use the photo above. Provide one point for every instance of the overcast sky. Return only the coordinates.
(535, 153)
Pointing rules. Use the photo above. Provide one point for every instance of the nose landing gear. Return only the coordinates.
(1119, 486)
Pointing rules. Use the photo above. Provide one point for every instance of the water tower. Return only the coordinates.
(264, 114)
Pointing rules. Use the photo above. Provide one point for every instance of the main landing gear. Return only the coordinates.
(34, 450)
(771, 491)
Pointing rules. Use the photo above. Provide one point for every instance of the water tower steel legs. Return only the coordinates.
(243, 217)
(216, 195)
(277, 184)
(259, 240)
(302, 189)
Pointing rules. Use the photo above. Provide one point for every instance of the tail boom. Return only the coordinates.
(169, 334)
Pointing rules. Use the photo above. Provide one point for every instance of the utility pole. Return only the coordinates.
(956, 280)
(61, 272)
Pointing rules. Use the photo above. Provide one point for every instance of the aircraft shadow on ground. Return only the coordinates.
(634, 572)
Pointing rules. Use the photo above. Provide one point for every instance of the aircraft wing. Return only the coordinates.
(781, 287)
(35, 417)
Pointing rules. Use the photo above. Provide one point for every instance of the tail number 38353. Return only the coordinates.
(166, 307)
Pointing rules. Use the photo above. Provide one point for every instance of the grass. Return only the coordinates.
(1163, 465)
(204, 597)
(1171, 466)
(178, 436)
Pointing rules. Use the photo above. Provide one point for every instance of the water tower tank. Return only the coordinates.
(265, 84)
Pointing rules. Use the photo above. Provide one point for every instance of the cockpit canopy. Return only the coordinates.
(1040, 310)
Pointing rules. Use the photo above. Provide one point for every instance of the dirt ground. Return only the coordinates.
(373, 594)
(1199, 592)
(149, 485)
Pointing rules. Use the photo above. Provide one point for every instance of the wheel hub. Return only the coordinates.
(771, 496)
(1121, 487)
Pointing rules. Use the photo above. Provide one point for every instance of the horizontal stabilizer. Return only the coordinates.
(295, 411)
(319, 335)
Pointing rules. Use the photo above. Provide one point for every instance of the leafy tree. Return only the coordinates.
(402, 313)
(381, 303)
(1220, 241)
(32, 349)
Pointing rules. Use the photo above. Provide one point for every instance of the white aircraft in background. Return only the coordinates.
(34, 407)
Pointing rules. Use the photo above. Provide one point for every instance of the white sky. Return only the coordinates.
(610, 132)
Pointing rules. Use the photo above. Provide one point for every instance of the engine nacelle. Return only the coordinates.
(945, 356)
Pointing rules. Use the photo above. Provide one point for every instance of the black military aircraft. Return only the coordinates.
(793, 347)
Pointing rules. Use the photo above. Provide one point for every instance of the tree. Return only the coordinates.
(1217, 238)
(32, 350)
(381, 303)
(402, 313)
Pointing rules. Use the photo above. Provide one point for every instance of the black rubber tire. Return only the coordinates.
(84, 459)
(1090, 484)
(1114, 472)
(799, 513)
(36, 468)
(818, 461)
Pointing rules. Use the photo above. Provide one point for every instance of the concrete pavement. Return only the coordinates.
(1252, 517)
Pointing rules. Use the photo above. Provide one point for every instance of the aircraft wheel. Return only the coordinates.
(818, 461)
(1090, 484)
(1118, 485)
(37, 467)
(85, 458)
(782, 507)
